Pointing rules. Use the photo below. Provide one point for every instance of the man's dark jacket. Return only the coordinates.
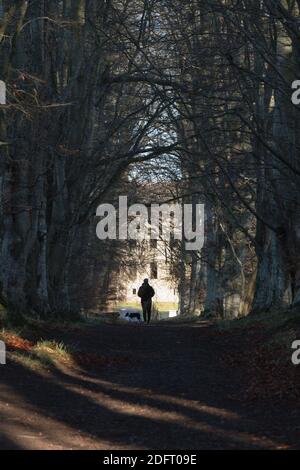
(146, 292)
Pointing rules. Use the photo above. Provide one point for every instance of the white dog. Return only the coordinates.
(130, 314)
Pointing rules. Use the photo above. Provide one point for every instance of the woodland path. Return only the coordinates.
(167, 388)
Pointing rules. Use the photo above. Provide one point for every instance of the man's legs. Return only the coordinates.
(149, 308)
(144, 307)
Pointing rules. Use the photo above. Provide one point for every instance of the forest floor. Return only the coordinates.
(173, 386)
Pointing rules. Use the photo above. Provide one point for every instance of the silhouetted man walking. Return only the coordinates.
(146, 292)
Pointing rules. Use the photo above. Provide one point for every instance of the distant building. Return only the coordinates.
(157, 269)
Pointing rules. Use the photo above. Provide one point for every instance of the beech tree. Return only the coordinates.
(99, 89)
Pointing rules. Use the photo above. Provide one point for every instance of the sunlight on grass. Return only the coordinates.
(42, 354)
(52, 352)
(31, 361)
(161, 306)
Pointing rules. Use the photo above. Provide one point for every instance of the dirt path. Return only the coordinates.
(173, 392)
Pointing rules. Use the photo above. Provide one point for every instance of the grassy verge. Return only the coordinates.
(271, 320)
(35, 355)
(48, 355)
(266, 353)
